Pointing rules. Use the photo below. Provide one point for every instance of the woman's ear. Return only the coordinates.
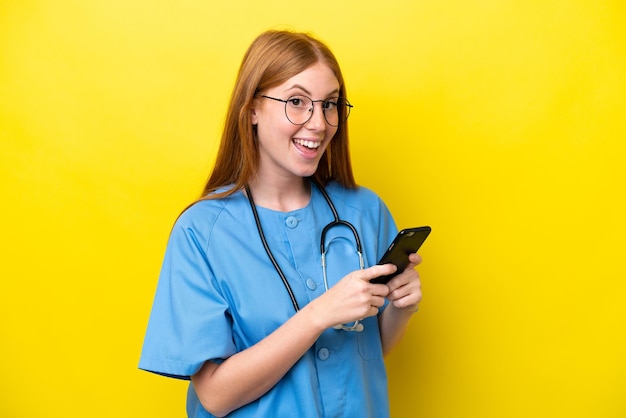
(253, 116)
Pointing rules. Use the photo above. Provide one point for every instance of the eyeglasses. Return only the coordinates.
(299, 109)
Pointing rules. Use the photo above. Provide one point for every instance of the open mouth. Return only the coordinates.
(307, 144)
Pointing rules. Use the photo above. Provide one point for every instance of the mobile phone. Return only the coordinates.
(408, 241)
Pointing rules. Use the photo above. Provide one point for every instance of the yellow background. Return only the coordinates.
(499, 123)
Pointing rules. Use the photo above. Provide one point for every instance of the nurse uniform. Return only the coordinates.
(218, 294)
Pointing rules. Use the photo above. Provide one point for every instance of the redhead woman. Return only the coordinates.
(264, 300)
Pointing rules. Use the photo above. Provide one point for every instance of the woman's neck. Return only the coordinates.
(282, 196)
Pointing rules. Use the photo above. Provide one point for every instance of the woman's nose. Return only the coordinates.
(317, 120)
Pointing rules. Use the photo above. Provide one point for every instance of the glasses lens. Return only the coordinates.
(336, 110)
(298, 109)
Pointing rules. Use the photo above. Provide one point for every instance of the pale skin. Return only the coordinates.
(280, 184)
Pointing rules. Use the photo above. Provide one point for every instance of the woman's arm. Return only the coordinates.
(405, 294)
(247, 375)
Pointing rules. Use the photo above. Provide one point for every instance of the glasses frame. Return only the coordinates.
(312, 110)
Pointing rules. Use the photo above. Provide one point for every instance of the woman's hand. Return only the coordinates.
(353, 297)
(405, 290)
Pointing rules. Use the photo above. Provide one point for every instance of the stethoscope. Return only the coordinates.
(356, 326)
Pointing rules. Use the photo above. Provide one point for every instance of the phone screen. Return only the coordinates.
(407, 241)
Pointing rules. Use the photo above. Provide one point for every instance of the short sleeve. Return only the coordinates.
(190, 321)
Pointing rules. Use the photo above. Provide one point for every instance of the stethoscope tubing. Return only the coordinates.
(269, 252)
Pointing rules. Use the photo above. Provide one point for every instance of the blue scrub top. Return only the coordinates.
(218, 294)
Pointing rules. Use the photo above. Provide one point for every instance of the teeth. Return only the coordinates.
(308, 144)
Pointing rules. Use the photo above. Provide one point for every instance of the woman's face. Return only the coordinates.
(287, 150)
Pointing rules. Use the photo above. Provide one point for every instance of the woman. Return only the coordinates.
(245, 307)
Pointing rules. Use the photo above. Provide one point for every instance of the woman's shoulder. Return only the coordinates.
(207, 210)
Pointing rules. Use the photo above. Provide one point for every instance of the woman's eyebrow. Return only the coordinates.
(300, 87)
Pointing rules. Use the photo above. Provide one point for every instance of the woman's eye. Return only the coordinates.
(330, 105)
(299, 102)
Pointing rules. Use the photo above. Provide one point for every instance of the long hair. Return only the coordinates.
(273, 58)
